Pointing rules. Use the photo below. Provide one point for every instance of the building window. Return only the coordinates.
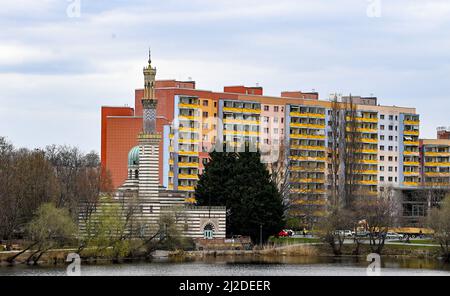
(275, 108)
(205, 114)
(266, 108)
(382, 158)
(381, 178)
(382, 127)
(391, 117)
(205, 102)
(382, 137)
(381, 116)
(136, 174)
(391, 138)
(391, 127)
(208, 231)
(382, 168)
(382, 148)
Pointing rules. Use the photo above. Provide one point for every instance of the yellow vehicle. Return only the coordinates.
(412, 231)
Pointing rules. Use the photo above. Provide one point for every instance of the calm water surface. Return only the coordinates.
(278, 266)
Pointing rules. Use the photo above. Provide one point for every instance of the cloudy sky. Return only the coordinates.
(58, 66)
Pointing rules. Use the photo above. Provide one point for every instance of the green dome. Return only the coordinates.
(133, 156)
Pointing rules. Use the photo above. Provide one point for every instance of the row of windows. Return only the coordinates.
(391, 117)
(390, 158)
(390, 148)
(275, 108)
(390, 179)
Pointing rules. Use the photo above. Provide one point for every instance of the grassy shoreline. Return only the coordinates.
(308, 247)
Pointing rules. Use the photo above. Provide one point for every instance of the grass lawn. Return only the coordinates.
(294, 240)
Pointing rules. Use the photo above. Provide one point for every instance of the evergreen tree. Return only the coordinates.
(242, 183)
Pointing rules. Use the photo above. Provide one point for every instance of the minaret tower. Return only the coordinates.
(149, 139)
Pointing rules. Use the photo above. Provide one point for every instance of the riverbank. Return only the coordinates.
(316, 249)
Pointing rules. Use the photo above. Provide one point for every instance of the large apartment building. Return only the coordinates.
(193, 121)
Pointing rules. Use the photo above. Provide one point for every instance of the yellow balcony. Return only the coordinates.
(312, 191)
(170, 187)
(437, 174)
(308, 180)
(184, 152)
(411, 122)
(186, 188)
(367, 140)
(241, 121)
(411, 133)
(189, 117)
(188, 164)
(411, 183)
(437, 184)
(307, 125)
(240, 133)
(188, 129)
(188, 106)
(241, 110)
(364, 130)
(411, 163)
(314, 115)
(439, 164)
(410, 153)
(296, 168)
(310, 202)
(188, 176)
(413, 143)
(188, 141)
(170, 174)
(312, 148)
(442, 154)
(305, 158)
(368, 151)
(411, 173)
(367, 172)
(303, 136)
(363, 119)
(368, 161)
(171, 161)
(367, 182)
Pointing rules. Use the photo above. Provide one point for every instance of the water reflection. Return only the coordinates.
(248, 265)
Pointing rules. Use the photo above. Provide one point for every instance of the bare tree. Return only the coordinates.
(377, 214)
(439, 221)
(332, 228)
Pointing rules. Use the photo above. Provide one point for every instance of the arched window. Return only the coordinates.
(136, 174)
(208, 231)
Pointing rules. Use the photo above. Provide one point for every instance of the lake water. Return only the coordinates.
(244, 266)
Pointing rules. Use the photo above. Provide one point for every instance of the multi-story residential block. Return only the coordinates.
(435, 162)
(192, 122)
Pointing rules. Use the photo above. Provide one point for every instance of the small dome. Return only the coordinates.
(133, 156)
